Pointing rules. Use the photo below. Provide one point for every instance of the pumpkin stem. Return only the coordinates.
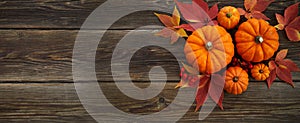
(228, 15)
(235, 79)
(259, 39)
(261, 71)
(209, 45)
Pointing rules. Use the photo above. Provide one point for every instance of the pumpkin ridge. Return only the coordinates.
(267, 42)
(214, 60)
(246, 28)
(253, 23)
(257, 57)
(247, 52)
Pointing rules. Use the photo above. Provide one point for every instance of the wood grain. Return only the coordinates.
(59, 103)
(70, 14)
(46, 55)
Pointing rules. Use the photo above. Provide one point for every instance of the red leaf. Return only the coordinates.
(259, 15)
(285, 75)
(249, 4)
(198, 12)
(280, 19)
(295, 23)
(272, 65)
(241, 11)
(216, 89)
(291, 13)
(271, 78)
(293, 29)
(281, 55)
(262, 5)
(213, 11)
(292, 34)
(201, 4)
(201, 95)
(292, 66)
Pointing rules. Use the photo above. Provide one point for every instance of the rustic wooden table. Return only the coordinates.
(36, 85)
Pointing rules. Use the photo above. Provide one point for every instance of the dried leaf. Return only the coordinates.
(271, 78)
(285, 75)
(259, 15)
(190, 69)
(241, 11)
(201, 96)
(171, 23)
(272, 65)
(216, 89)
(293, 30)
(281, 55)
(292, 34)
(165, 19)
(213, 11)
(254, 8)
(291, 13)
(280, 19)
(250, 4)
(292, 66)
(198, 13)
(262, 5)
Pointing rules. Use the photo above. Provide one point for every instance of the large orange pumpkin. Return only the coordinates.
(256, 40)
(209, 49)
(228, 17)
(236, 80)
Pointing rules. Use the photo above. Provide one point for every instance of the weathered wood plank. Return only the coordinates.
(58, 102)
(46, 55)
(70, 14)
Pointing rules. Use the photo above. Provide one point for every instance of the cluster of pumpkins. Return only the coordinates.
(211, 48)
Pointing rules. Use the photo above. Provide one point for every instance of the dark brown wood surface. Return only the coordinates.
(36, 85)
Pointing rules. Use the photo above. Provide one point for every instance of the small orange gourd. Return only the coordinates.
(209, 49)
(260, 72)
(228, 17)
(256, 40)
(236, 80)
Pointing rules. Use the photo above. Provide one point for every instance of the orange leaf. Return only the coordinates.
(259, 15)
(280, 19)
(241, 11)
(165, 19)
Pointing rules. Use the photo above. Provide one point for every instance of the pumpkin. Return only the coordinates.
(236, 80)
(260, 72)
(228, 17)
(209, 49)
(256, 40)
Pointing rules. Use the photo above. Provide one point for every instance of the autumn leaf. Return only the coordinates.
(282, 68)
(171, 30)
(290, 22)
(198, 14)
(212, 88)
(254, 9)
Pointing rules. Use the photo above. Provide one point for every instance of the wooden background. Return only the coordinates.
(36, 43)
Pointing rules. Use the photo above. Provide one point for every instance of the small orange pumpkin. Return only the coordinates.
(256, 40)
(209, 49)
(228, 17)
(236, 80)
(260, 72)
